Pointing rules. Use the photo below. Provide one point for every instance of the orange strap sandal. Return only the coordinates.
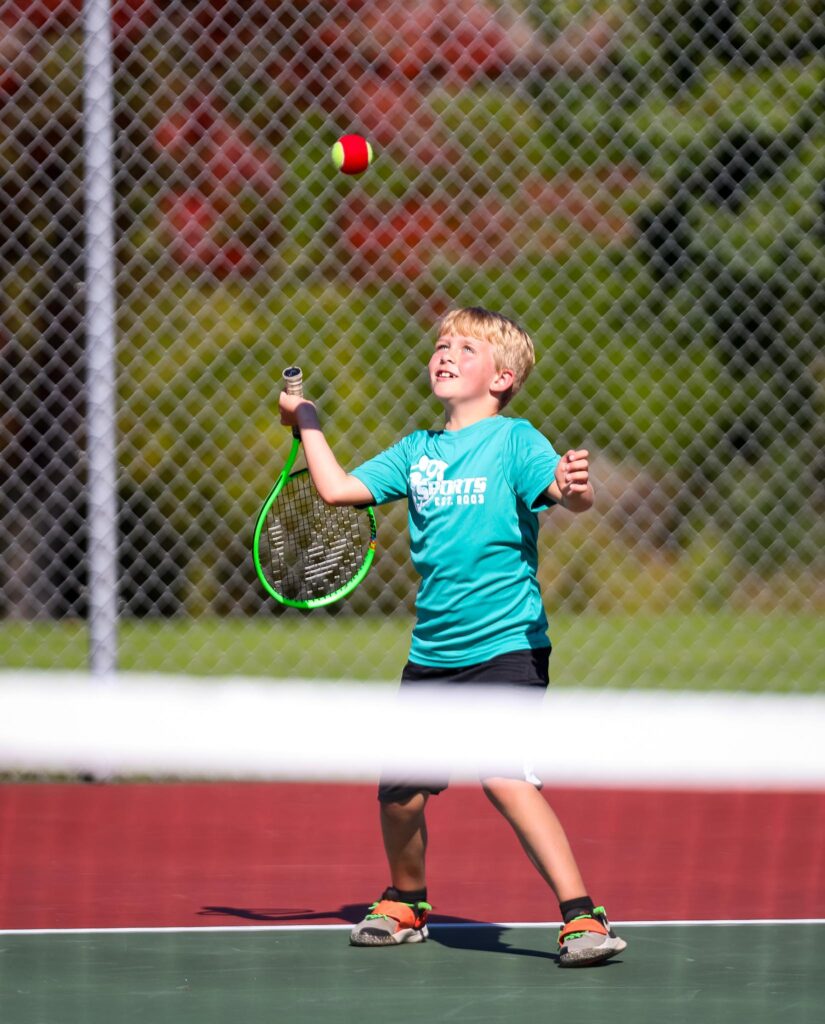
(390, 923)
(588, 939)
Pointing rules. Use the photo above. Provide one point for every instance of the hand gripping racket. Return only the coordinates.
(307, 553)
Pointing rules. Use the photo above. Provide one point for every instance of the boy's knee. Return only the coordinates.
(500, 791)
(403, 810)
(492, 789)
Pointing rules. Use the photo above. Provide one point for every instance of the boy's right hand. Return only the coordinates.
(331, 481)
(296, 411)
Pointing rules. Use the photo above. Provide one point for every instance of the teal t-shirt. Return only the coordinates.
(473, 496)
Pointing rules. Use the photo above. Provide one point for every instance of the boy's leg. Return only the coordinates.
(540, 833)
(400, 915)
(404, 829)
(586, 936)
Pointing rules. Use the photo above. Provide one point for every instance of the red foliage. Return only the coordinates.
(462, 40)
(9, 84)
(395, 113)
(127, 15)
(220, 158)
(198, 236)
(401, 241)
(216, 150)
(386, 242)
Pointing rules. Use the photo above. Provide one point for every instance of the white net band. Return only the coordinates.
(240, 729)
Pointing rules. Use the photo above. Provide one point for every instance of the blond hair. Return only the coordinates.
(512, 346)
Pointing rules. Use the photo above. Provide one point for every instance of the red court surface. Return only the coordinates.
(180, 855)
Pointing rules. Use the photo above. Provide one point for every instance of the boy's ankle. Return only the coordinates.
(406, 895)
(576, 908)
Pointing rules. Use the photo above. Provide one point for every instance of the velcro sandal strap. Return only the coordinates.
(581, 924)
(403, 913)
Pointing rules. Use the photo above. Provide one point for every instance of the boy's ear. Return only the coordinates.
(503, 381)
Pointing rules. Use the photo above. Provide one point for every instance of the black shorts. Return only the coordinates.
(527, 668)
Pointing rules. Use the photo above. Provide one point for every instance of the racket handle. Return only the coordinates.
(294, 385)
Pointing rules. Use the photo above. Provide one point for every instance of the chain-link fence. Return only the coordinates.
(640, 185)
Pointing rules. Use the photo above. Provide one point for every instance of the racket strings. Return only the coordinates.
(313, 548)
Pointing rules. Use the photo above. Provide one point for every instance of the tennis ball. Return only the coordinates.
(352, 154)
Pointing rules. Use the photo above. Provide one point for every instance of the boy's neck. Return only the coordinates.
(460, 416)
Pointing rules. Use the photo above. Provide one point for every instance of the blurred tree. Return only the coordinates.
(41, 219)
(687, 31)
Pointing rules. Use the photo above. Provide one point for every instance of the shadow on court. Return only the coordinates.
(446, 930)
(349, 913)
(484, 938)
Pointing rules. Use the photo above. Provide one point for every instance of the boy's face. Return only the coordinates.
(464, 368)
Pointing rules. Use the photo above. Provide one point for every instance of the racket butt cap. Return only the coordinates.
(293, 380)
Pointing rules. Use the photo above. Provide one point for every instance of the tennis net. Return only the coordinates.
(153, 828)
(237, 728)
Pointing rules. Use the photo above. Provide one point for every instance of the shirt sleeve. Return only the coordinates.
(387, 475)
(533, 462)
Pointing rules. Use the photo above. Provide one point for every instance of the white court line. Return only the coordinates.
(446, 926)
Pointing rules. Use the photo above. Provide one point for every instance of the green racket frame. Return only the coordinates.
(314, 602)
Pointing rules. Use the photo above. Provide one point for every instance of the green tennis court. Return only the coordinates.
(732, 973)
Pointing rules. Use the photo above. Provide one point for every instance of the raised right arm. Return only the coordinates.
(333, 483)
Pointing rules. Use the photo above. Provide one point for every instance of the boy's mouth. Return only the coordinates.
(445, 375)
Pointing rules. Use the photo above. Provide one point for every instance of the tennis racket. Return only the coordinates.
(307, 553)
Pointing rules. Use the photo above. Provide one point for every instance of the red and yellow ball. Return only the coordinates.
(352, 154)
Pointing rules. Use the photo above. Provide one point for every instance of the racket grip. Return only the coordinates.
(294, 385)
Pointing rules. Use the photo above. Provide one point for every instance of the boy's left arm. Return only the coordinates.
(571, 487)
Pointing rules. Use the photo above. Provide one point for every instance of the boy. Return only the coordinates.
(474, 490)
